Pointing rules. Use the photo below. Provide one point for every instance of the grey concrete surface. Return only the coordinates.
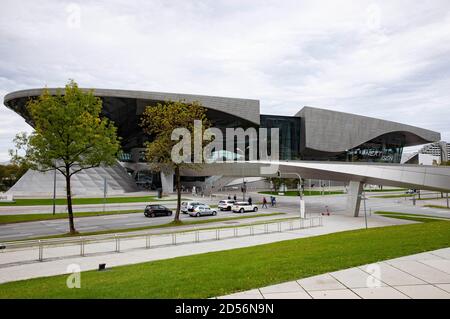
(419, 276)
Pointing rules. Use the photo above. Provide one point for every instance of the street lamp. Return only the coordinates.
(302, 207)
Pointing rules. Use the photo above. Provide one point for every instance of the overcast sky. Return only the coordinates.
(386, 59)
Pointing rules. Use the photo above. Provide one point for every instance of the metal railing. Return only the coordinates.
(126, 241)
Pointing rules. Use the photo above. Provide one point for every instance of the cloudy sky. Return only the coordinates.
(386, 59)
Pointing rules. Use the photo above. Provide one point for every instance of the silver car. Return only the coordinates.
(187, 207)
(202, 210)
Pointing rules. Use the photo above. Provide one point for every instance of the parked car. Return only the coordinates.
(242, 207)
(157, 210)
(411, 191)
(187, 207)
(201, 210)
(225, 204)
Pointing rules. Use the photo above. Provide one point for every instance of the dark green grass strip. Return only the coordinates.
(82, 201)
(414, 217)
(224, 272)
(21, 218)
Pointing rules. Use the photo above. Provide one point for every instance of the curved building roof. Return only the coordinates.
(244, 108)
(332, 131)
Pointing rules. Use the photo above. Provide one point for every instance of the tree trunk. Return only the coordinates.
(178, 182)
(69, 202)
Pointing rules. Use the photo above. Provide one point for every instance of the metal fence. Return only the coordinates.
(82, 246)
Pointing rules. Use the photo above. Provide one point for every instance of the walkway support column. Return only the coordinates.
(354, 197)
(167, 182)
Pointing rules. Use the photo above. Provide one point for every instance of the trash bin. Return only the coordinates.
(159, 193)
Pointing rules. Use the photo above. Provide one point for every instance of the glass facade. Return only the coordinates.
(289, 133)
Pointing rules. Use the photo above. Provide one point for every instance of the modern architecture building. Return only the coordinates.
(312, 134)
(440, 149)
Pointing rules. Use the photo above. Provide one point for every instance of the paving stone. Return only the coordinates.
(320, 282)
(424, 292)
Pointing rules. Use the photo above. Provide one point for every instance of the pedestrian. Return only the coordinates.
(271, 200)
(234, 197)
(249, 200)
(264, 205)
(229, 197)
(274, 202)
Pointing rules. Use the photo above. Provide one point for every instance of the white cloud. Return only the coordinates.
(387, 59)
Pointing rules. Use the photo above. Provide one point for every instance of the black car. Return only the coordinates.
(156, 210)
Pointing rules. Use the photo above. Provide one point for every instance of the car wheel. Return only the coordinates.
(241, 210)
(255, 209)
(214, 213)
(229, 208)
(152, 215)
(169, 213)
(197, 215)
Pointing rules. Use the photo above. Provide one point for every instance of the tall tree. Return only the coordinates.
(69, 136)
(159, 122)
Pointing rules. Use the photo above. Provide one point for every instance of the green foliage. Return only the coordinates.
(160, 121)
(10, 174)
(69, 135)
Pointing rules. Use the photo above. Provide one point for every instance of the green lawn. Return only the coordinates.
(81, 201)
(305, 193)
(436, 206)
(21, 218)
(224, 272)
(415, 217)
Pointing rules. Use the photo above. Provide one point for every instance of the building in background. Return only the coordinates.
(439, 149)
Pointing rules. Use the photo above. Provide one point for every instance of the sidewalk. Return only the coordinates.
(420, 276)
(13, 269)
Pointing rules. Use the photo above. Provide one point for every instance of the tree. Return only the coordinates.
(10, 174)
(69, 136)
(159, 122)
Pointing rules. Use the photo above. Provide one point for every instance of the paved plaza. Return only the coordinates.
(419, 276)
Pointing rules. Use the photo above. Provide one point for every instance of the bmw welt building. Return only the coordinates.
(315, 143)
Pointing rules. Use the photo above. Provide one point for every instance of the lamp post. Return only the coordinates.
(54, 190)
(299, 192)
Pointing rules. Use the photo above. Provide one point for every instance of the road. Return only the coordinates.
(289, 205)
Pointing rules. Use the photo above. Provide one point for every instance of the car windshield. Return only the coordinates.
(222, 202)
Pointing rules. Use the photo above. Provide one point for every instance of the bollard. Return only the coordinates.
(217, 234)
(41, 251)
(266, 228)
(117, 243)
(279, 227)
(197, 236)
(147, 241)
(251, 231)
(81, 247)
(174, 238)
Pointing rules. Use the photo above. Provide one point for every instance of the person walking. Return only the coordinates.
(249, 200)
(271, 201)
(234, 197)
(229, 197)
(264, 204)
